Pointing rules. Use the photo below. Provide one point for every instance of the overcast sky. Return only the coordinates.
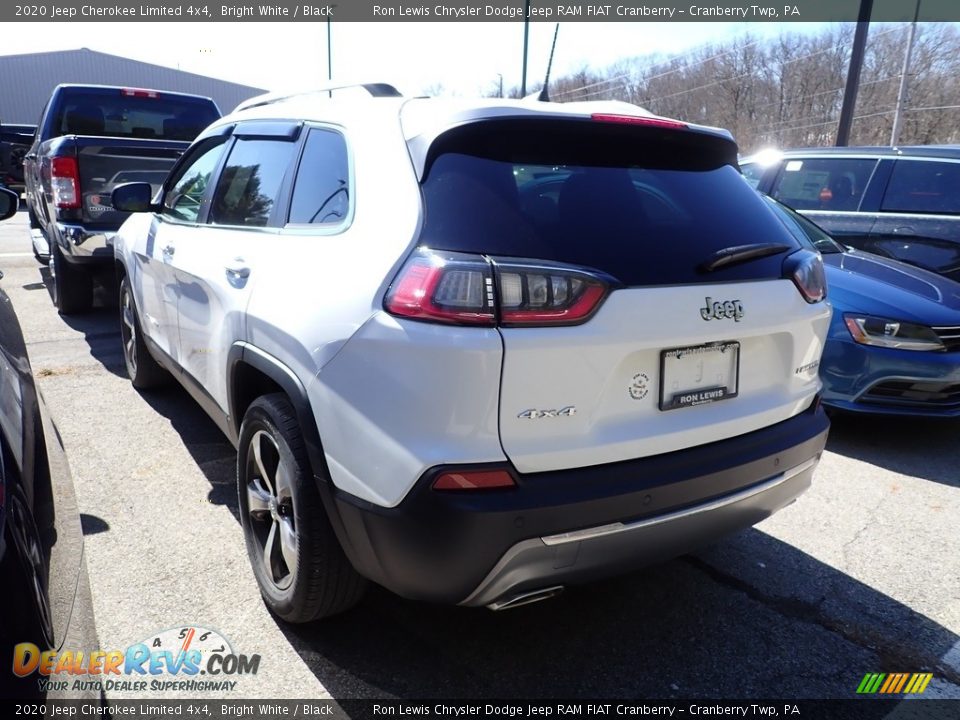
(463, 58)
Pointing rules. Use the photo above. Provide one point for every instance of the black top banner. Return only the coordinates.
(761, 11)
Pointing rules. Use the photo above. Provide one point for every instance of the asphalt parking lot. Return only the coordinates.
(861, 575)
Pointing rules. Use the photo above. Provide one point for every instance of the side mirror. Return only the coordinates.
(9, 203)
(132, 197)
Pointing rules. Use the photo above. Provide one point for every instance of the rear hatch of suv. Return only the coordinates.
(647, 299)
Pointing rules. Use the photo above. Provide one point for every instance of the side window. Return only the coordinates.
(321, 192)
(923, 187)
(182, 200)
(823, 183)
(250, 182)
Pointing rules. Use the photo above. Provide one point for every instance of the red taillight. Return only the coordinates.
(473, 480)
(805, 268)
(137, 92)
(546, 296)
(637, 120)
(65, 182)
(472, 289)
(444, 287)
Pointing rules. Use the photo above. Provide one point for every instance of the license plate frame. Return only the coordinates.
(673, 396)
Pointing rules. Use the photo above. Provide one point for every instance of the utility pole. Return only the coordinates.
(329, 53)
(902, 92)
(526, 43)
(500, 94)
(853, 73)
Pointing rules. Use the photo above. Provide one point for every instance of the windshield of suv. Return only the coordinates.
(647, 206)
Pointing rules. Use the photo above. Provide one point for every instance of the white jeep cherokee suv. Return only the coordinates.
(476, 351)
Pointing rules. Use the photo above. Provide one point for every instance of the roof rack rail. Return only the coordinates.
(375, 90)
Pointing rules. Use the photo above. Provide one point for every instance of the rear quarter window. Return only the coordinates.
(321, 189)
(923, 186)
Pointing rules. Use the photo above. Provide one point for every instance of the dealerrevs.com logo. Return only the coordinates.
(190, 659)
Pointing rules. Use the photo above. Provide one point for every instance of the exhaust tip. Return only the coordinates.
(525, 598)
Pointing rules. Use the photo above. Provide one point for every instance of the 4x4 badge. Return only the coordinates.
(718, 310)
(568, 411)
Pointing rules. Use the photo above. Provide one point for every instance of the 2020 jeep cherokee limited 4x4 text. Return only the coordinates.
(476, 351)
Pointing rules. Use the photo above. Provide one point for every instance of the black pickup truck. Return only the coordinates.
(15, 140)
(90, 139)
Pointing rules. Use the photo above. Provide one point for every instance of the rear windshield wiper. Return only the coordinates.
(741, 253)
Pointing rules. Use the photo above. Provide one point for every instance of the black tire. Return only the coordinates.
(309, 578)
(34, 222)
(143, 370)
(72, 287)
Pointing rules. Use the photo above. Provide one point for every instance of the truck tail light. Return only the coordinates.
(65, 182)
(470, 289)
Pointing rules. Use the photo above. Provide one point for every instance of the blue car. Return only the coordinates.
(894, 341)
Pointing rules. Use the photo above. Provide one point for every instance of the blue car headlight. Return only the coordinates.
(883, 332)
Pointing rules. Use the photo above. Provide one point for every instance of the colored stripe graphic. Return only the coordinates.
(894, 683)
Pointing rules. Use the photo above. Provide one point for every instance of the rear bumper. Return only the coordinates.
(81, 244)
(574, 526)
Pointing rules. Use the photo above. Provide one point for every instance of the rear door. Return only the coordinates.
(215, 268)
(919, 218)
(677, 354)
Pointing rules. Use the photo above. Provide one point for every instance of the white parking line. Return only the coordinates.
(11, 255)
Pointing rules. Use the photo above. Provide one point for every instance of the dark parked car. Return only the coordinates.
(44, 596)
(900, 202)
(894, 341)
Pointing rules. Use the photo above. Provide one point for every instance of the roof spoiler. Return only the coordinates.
(375, 90)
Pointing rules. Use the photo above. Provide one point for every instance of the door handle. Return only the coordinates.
(904, 230)
(237, 268)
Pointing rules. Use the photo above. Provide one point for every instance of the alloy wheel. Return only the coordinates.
(270, 506)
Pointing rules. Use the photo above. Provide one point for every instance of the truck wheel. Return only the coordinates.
(34, 222)
(72, 287)
(300, 567)
(143, 370)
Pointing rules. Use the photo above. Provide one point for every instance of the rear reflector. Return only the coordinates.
(636, 120)
(473, 480)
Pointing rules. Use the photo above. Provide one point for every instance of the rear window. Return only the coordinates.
(924, 187)
(114, 114)
(645, 205)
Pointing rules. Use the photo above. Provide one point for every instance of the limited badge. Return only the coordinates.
(640, 386)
